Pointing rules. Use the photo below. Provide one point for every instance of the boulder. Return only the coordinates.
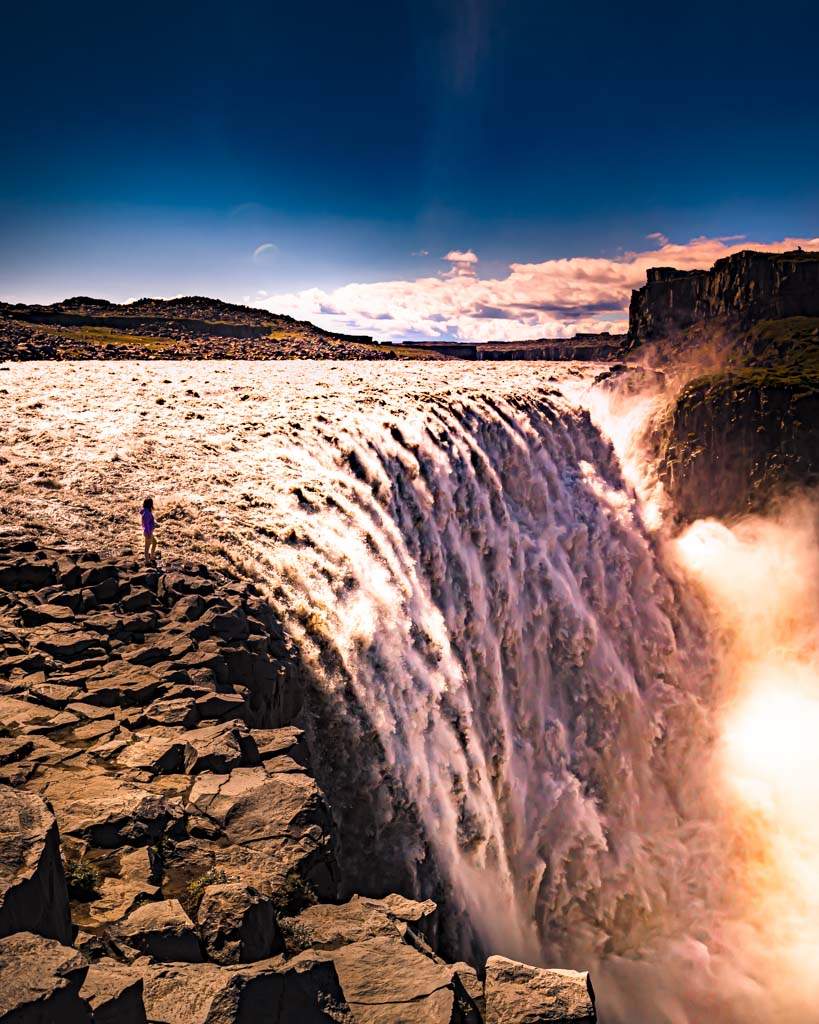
(278, 817)
(421, 916)
(288, 741)
(139, 599)
(469, 992)
(115, 899)
(304, 990)
(33, 893)
(122, 685)
(237, 924)
(14, 749)
(54, 695)
(117, 896)
(228, 624)
(188, 608)
(162, 930)
(38, 614)
(385, 981)
(159, 649)
(105, 810)
(177, 711)
(218, 748)
(180, 993)
(26, 574)
(113, 991)
(327, 926)
(65, 642)
(519, 994)
(32, 718)
(217, 704)
(40, 981)
(160, 751)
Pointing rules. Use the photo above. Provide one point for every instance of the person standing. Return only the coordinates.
(148, 527)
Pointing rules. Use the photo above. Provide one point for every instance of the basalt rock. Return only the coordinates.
(33, 893)
(200, 850)
(519, 994)
(237, 924)
(113, 992)
(40, 981)
(162, 930)
(744, 288)
(733, 442)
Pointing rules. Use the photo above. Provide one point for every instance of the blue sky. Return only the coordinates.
(151, 149)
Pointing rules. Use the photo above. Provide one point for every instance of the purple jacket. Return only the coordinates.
(148, 521)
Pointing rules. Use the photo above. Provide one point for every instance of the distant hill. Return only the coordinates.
(190, 327)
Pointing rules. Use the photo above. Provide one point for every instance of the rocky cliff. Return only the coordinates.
(744, 338)
(166, 854)
(732, 442)
(744, 288)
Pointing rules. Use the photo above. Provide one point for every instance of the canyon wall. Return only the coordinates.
(744, 336)
(746, 287)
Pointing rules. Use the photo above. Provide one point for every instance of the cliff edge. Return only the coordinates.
(743, 337)
(743, 289)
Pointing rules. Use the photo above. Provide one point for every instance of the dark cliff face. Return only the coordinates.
(744, 289)
(732, 443)
(745, 429)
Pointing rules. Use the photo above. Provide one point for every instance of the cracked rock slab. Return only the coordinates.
(40, 981)
(387, 982)
(519, 994)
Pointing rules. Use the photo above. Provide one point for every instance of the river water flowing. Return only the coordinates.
(530, 701)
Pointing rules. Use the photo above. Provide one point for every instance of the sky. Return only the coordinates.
(473, 169)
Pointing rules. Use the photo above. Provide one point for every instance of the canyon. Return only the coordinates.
(424, 714)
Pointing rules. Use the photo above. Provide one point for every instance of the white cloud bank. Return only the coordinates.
(556, 298)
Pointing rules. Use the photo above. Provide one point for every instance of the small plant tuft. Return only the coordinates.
(296, 936)
(195, 890)
(82, 879)
(293, 896)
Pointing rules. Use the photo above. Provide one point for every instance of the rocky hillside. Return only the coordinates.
(166, 855)
(185, 328)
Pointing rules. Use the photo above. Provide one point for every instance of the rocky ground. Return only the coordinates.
(165, 852)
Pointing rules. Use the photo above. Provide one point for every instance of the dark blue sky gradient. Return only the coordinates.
(149, 149)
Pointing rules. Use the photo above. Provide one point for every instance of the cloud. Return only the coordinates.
(658, 237)
(462, 264)
(265, 247)
(454, 256)
(421, 252)
(554, 299)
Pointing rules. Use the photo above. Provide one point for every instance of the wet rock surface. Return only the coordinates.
(155, 785)
(745, 434)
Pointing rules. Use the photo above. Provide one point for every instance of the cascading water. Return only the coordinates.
(518, 694)
(493, 610)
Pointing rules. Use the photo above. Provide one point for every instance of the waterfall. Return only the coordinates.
(514, 687)
(593, 744)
